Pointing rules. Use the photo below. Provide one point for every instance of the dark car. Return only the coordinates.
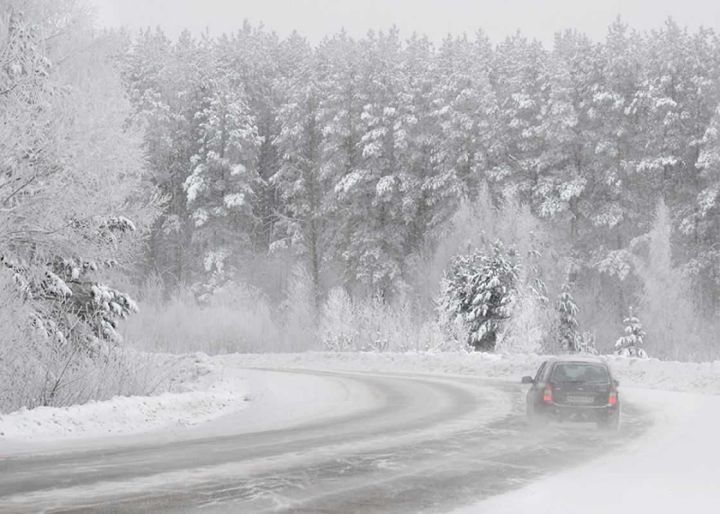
(574, 389)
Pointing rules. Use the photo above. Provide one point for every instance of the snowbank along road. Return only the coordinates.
(380, 443)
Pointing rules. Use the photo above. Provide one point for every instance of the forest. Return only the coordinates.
(249, 192)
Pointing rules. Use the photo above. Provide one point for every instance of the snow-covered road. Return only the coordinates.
(319, 442)
(674, 467)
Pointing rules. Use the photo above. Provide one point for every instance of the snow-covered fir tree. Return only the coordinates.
(568, 332)
(478, 290)
(632, 342)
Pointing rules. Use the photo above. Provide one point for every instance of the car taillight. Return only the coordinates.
(547, 394)
(612, 398)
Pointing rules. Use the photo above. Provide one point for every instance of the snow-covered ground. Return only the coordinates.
(673, 468)
(204, 392)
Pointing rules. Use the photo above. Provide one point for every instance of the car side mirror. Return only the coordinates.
(527, 380)
(616, 383)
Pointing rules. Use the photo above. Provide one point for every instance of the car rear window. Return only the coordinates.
(567, 372)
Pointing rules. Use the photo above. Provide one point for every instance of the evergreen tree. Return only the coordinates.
(343, 103)
(370, 196)
(704, 223)
(418, 156)
(631, 344)
(566, 129)
(299, 181)
(478, 290)
(163, 80)
(464, 107)
(570, 338)
(520, 79)
(220, 190)
(259, 63)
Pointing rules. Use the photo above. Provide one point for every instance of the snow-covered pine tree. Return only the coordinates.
(478, 290)
(343, 101)
(163, 83)
(560, 167)
(301, 222)
(418, 159)
(371, 197)
(568, 332)
(73, 292)
(258, 62)
(220, 190)
(631, 344)
(521, 84)
(464, 105)
(703, 223)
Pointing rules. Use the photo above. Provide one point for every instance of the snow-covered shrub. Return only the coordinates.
(479, 289)
(631, 344)
(337, 322)
(398, 326)
(370, 324)
(20, 367)
(237, 318)
(586, 343)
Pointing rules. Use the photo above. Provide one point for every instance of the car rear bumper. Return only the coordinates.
(579, 413)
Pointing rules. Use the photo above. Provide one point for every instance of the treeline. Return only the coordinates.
(351, 156)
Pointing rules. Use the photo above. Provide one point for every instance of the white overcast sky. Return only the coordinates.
(435, 18)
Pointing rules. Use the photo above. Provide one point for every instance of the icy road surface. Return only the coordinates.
(377, 443)
(674, 467)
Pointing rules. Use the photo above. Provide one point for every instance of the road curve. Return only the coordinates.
(424, 444)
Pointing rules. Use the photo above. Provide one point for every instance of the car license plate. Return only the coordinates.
(580, 400)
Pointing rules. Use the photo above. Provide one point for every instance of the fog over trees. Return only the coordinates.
(254, 193)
